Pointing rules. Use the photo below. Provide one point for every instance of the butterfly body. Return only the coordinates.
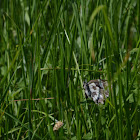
(97, 90)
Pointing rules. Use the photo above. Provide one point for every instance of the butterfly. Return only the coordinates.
(97, 90)
(58, 125)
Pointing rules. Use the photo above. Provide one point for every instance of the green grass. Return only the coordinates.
(48, 48)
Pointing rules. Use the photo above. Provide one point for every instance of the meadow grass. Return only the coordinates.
(48, 48)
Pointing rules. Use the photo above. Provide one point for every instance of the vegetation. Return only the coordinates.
(48, 48)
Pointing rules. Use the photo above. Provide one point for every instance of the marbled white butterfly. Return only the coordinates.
(97, 90)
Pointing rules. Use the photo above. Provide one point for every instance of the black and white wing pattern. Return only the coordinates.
(97, 90)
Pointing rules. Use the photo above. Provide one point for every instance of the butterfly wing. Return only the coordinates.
(97, 90)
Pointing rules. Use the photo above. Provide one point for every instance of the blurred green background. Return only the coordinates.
(48, 48)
